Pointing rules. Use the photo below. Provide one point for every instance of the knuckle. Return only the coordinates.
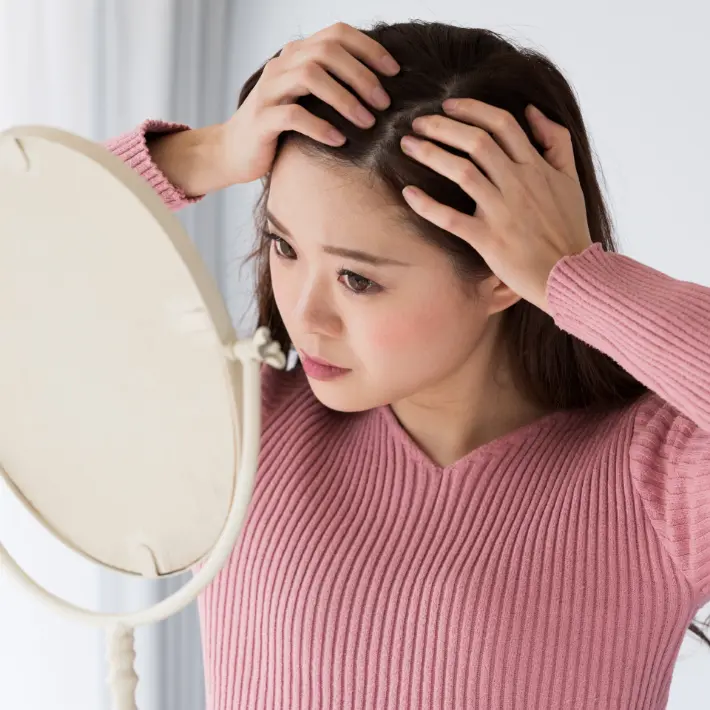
(450, 222)
(337, 30)
(480, 141)
(273, 65)
(327, 47)
(425, 149)
(468, 172)
(434, 122)
(292, 112)
(506, 121)
(290, 47)
(308, 71)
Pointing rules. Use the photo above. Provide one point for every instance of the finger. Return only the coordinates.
(499, 123)
(556, 139)
(290, 48)
(362, 46)
(331, 55)
(469, 228)
(312, 78)
(473, 140)
(292, 117)
(459, 170)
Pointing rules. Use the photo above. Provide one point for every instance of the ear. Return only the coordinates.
(496, 294)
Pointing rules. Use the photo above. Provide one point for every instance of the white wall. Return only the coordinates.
(639, 69)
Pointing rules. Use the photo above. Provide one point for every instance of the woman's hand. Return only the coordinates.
(250, 136)
(530, 209)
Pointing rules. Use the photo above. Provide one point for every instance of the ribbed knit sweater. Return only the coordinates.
(557, 566)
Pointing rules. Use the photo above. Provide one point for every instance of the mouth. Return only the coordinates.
(320, 369)
(319, 360)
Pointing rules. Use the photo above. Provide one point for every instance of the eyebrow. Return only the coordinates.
(355, 254)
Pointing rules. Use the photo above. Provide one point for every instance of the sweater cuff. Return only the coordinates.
(132, 148)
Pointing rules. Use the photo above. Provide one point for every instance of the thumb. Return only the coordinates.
(555, 139)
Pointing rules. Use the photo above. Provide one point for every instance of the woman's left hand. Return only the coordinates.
(530, 209)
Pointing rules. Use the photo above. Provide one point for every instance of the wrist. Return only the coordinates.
(192, 160)
(210, 169)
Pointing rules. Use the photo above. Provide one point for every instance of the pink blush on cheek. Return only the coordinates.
(401, 333)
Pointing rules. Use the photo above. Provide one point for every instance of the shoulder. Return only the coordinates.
(603, 436)
(663, 438)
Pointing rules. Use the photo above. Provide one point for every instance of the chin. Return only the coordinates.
(334, 395)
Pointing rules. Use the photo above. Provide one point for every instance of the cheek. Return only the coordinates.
(409, 330)
(280, 287)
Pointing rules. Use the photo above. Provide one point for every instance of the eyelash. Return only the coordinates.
(371, 287)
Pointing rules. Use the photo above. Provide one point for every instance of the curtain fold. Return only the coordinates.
(97, 68)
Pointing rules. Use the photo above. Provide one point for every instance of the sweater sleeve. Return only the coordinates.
(134, 149)
(658, 329)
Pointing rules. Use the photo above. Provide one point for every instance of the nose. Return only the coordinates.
(316, 312)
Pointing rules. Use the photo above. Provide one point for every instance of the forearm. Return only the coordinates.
(191, 160)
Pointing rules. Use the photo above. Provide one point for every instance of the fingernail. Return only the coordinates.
(364, 116)
(380, 98)
(336, 137)
(389, 64)
(409, 144)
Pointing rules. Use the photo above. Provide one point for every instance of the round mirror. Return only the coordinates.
(119, 424)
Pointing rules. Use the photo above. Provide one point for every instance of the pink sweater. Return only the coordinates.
(557, 566)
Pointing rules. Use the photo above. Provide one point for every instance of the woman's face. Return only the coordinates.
(401, 328)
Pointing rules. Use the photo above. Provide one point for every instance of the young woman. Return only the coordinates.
(486, 484)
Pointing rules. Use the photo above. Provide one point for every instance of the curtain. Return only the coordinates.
(97, 68)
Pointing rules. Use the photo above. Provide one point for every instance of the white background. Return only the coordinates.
(640, 73)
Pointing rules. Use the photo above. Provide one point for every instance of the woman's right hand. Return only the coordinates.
(250, 136)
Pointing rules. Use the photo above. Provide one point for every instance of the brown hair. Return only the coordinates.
(438, 61)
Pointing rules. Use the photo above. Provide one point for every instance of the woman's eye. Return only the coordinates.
(355, 283)
(359, 284)
(279, 242)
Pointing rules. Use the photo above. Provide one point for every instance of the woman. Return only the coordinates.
(486, 484)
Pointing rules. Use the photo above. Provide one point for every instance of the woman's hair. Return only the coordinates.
(438, 61)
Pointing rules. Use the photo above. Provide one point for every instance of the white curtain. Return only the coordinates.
(97, 68)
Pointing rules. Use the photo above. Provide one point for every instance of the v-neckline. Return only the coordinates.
(513, 437)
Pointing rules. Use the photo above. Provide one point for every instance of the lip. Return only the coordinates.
(320, 361)
(320, 369)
